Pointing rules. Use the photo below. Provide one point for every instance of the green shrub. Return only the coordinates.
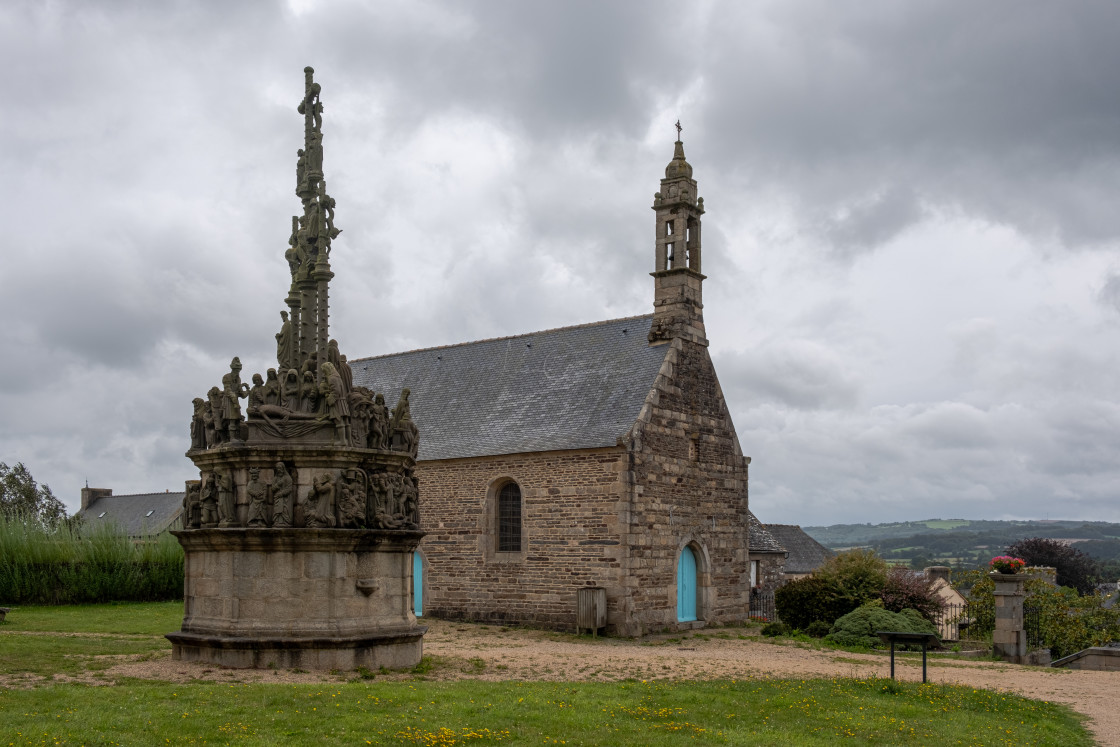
(818, 629)
(859, 627)
(42, 564)
(839, 586)
(810, 599)
(859, 575)
(775, 629)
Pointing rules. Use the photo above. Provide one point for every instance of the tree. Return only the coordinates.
(911, 590)
(1075, 568)
(23, 498)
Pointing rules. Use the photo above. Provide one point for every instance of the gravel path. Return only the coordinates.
(470, 651)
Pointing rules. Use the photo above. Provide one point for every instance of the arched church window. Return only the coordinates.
(509, 518)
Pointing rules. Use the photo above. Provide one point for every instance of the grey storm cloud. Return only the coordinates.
(910, 240)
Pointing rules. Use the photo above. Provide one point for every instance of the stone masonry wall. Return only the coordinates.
(690, 487)
(570, 510)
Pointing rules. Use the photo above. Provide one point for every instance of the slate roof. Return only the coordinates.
(760, 538)
(130, 512)
(805, 553)
(569, 388)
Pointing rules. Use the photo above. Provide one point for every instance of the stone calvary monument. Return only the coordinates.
(299, 532)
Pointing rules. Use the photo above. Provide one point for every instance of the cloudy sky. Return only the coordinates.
(912, 240)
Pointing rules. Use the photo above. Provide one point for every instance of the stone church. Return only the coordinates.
(596, 456)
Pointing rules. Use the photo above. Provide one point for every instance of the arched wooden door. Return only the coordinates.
(417, 584)
(686, 586)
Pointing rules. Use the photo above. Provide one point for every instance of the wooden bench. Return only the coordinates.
(892, 638)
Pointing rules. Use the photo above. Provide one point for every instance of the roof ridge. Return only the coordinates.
(134, 495)
(498, 339)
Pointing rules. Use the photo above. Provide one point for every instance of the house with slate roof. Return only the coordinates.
(139, 515)
(805, 553)
(596, 456)
(767, 556)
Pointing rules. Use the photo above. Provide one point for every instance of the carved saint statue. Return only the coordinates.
(215, 425)
(291, 398)
(198, 424)
(209, 501)
(256, 395)
(321, 513)
(309, 394)
(284, 342)
(192, 505)
(379, 424)
(258, 493)
(271, 388)
(281, 496)
(405, 434)
(233, 391)
(332, 390)
(227, 509)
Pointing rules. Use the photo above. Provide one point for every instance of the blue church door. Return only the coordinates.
(686, 586)
(417, 584)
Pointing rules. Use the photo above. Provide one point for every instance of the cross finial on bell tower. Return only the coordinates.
(677, 275)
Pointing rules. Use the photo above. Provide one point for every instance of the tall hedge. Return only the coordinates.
(62, 564)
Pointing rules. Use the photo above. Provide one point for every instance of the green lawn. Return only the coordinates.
(360, 711)
(136, 618)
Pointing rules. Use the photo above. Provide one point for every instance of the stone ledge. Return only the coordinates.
(269, 539)
(393, 650)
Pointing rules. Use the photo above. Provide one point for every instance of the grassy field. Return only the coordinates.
(360, 708)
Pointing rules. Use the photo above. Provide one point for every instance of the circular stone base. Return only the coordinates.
(392, 651)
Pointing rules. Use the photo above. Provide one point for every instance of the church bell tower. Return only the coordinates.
(677, 301)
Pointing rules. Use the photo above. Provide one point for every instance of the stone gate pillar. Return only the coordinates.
(1009, 639)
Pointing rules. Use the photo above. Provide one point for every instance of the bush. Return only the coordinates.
(859, 627)
(1075, 568)
(841, 585)
(818, 629)
(858, 575)
(907, 590)
(775, 629)
(44, 564)
(810, 599)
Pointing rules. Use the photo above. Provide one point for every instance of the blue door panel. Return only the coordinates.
(686, 586)
(417, 584)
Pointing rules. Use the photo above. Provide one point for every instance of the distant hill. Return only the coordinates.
(967, 543)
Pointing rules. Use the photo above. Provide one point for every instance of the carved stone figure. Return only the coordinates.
(256, 395)
(338, 408)
(209, 501)
(271, 388)
(326, 206)
(284, 342)
(309, 393)
(282, 503)
(352, 499)
(227, 509)
(291, 394)
(379, 424)
(337, 360)
(192, 505)
(215, 425)
(405, 433)
(234, 391)
(198, 424)
(410, 502)
(321, 513)
(258, 494)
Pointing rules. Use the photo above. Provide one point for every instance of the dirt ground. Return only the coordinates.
(489, 652)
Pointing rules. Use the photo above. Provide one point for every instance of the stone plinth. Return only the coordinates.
(306, 598)
(1009, 639)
